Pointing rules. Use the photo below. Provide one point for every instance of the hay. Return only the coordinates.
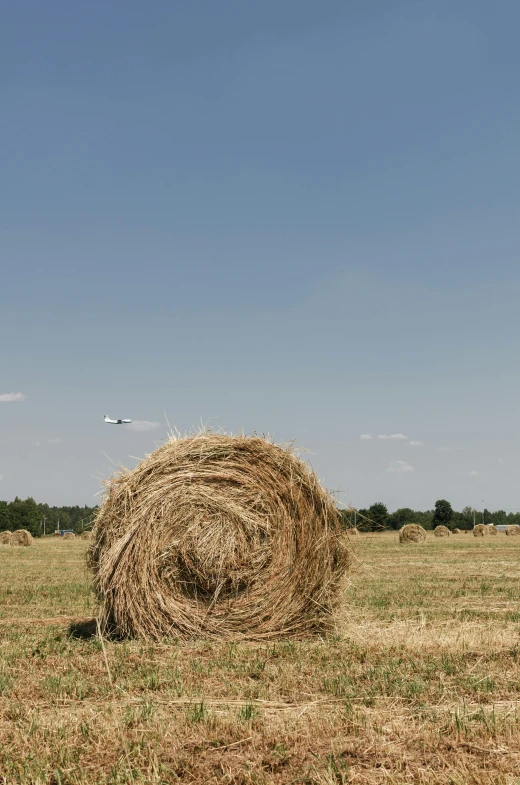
(68, 536)
(513, 531)
(86, 535)
(456, 531)
(217, 536)
(21, 537)
(412, 532)
(353, 531)
(480, 530)
(5, 538)
(441, 531)
(492, 530)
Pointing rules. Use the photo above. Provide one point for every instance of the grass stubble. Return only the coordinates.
(419, 683)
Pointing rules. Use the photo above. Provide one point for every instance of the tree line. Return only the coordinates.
(376, 517)
(37, 518)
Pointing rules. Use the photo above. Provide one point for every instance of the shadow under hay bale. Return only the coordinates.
(480, 530)
(68, 536)
(21, 537)
(412, 532)
(86, 629)
(441, 531)
(218, 536)
(5, 538)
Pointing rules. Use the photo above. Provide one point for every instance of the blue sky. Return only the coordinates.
(296, 218)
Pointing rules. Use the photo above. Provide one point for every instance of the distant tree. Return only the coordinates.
(400, 517)
(378, 516)
(443, 513)
(25, 515)
(5, 518)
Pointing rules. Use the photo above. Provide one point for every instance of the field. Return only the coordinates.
(419, 684)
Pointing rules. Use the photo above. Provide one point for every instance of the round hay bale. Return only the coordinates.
(513, 531)
(86, 535)
(480, 530)
(21, 537)
(353, 531)
(491, 530)
(412, 532)
(5, 538)
(441, 531)
(456, 531)
(217, 536)
(68, 536)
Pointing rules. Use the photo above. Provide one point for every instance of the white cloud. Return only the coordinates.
(416, 444)
(472, 473)
(366, 436)
(399, 467)
(36, 443)
(500, 460)
(55, 441)
(142, 425)
(10, 397)
(392, 436)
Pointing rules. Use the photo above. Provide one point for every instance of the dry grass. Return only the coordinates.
(218, 536)
(21, 537)
(418, 684)
(412, 532)
(441, 531)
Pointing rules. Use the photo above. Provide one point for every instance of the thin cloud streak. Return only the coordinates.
(399, 467)
(12, 397)
(400, 436)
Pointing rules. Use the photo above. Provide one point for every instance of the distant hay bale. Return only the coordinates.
(86, 535)
(441, 531)
(217, 536)
(5, 538)
(513, 531)
(353, 531)
(68, 536)
(480, 530)
(456, 531)
(491, 530)
(412, 532)
(21, 537)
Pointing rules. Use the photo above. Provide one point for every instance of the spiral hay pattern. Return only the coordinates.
(21, 537)
(480, 530)
(5, 538)
(217, 536)
(441, 531)
(412, 532)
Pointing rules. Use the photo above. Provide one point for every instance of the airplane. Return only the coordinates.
(115, 422)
